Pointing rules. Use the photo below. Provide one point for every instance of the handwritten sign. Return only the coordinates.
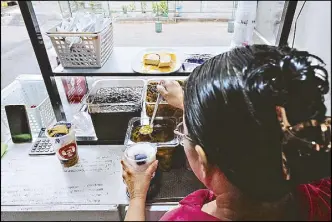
(41, 180)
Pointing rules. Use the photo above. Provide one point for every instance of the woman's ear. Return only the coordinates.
(202, 161)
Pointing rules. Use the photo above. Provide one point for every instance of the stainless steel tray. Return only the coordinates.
(139, 121)
(163, 104)
(108, 83)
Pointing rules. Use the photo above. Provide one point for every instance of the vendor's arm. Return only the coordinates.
(172, 93)
(136, 210)
(138, 184)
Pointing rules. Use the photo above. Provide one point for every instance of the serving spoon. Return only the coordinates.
(148, 129)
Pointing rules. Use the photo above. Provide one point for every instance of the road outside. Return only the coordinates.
(17, 55)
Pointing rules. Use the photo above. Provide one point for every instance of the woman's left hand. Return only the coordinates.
(138, 182)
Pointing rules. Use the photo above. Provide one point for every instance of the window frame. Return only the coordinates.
(49, 75)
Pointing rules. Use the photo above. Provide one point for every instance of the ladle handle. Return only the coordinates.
(159, 98)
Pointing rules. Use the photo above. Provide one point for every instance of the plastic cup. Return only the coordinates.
(141, 155)
(65, 147)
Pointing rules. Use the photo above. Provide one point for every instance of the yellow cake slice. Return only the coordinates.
(151, 59)
(165, 60)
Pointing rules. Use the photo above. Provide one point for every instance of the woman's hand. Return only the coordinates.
(138, 185)
(138, 182)
(172, 93)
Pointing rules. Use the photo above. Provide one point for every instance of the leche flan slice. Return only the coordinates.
(152, 59)
(165, 60)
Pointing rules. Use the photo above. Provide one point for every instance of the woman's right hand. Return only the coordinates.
(172, 93)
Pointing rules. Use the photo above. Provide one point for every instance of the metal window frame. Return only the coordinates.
(49, 75)
(39, 48)
(286, 23)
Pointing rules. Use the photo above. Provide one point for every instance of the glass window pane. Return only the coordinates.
(137, 25)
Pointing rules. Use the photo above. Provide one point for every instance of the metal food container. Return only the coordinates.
(164, 109)
(109, 117)
(164, 138)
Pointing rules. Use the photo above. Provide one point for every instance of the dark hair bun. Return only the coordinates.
(297, 81)
(293, 79)
(307, 151)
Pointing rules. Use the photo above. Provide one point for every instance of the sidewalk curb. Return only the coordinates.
(170, 20)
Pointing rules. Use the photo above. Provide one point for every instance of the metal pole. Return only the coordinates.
(286, 23)
(38, 45)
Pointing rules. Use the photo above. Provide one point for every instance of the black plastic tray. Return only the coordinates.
(178, 182)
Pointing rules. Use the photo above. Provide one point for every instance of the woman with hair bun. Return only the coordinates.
(255, 134)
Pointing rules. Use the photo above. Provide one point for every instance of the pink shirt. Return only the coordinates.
(314, 198)
(190, 208)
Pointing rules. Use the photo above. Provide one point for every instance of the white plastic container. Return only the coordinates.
(91, 51)
(245, 16)
(243, 34)
(245, 21)
(32, 94)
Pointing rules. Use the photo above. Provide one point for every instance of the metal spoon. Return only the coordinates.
(148, 129)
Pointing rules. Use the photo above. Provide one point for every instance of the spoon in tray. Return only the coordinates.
(148, 129)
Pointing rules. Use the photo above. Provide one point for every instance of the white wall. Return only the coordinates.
(313, 34)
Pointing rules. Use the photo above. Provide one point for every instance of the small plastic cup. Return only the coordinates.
(65, 147)
(141, 155)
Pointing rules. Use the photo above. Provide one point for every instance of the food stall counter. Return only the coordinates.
(35, 186)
